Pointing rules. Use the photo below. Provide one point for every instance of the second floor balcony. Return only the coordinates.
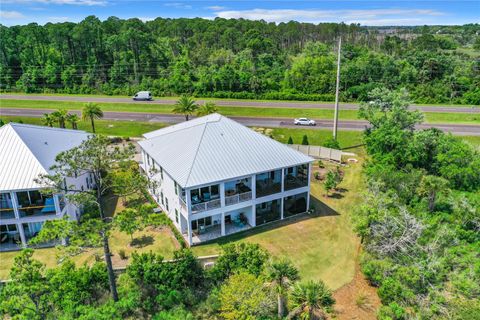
(238, 191)
(205, 198)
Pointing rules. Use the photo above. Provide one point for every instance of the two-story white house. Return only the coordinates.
(215, 177)
(26, 152)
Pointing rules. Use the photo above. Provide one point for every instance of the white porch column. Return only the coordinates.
(253, 223)
(222, 224)
(56, 202)
(22, 235)
(254, 187)
(13, 196)
(281, 208)
(283, 180)
(308, 194)
(222, 194)
(189, 215)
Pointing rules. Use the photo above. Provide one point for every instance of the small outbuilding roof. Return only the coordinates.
(214, 148)
(26, 151)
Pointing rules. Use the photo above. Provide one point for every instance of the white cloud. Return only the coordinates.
(58, 19)
(145, 19)
(67, 2)
(11, 15)
(216, 8)
(370, 17)
(178, 5)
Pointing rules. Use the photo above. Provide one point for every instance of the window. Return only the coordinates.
(176, 215)
(166, 204)
(176, 187)
(161, 197)
(161, 172)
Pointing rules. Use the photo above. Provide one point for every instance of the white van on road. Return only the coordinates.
(143, 96)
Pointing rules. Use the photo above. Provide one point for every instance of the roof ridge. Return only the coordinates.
(35, 126)
(28, 148)
(173, 131)
(196, 153)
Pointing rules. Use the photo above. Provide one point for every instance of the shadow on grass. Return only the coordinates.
(321, 210)
(141, 242)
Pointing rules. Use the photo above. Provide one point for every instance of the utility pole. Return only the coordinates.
(337, 91)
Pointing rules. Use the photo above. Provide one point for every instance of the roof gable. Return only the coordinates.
(26, 151)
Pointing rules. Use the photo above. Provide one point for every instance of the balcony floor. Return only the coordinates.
(215, 232)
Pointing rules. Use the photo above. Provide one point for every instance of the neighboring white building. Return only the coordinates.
(26, 152)
(216, 177)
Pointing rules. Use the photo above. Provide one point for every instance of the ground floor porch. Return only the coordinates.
(209, 227)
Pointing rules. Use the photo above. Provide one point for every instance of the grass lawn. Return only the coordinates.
(469, 51)
(107, 127)
(159, 241)
(323, 246)
(289, 113)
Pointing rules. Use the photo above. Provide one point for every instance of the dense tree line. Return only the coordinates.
(420, 222)
(245, 283)
(238, 58)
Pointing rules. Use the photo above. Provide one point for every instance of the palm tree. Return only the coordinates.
(92, 111)
(206, 109)
(48, 120)
(73, 119)
(60, 116)
(310, 300)
(280, 275)
(186, 106)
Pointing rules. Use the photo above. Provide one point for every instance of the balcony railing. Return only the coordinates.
(204, 206)
(182, 203)
(236, 198)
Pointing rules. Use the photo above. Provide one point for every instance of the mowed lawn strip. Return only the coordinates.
(287, 113)
(226, 99)
(322, 246)
(107, 127)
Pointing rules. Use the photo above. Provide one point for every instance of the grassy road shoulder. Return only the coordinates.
(287, 113)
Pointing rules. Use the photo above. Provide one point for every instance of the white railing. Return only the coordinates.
(209, 205)
(182, 203)
(236, 198)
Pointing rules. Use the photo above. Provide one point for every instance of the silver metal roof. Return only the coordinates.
(215, 148)
(26, 151)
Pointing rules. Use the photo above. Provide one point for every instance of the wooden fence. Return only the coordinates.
(318, 152)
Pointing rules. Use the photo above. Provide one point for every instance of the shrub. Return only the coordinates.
(316, 175)
(122, 254)
(305, 140)
(320, 164)
(290, 140)
(331, 143)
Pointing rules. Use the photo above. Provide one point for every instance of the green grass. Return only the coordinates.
(227, 99)
(322, 246)
(110, 127)
(288, 113)
(315, 137)
(459, 118)
(160, 241)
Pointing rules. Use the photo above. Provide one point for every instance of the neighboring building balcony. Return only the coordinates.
(33, 203)
(296, 177)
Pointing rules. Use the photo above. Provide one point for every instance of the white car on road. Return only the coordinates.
(304, 122)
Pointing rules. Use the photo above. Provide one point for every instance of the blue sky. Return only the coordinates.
(397, 12)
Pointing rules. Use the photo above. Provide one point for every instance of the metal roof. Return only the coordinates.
(26, 151)
(215, 148)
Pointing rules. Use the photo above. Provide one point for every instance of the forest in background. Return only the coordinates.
(240, 59)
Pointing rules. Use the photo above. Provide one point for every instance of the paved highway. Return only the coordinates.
(458, 129)
(233, 103)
